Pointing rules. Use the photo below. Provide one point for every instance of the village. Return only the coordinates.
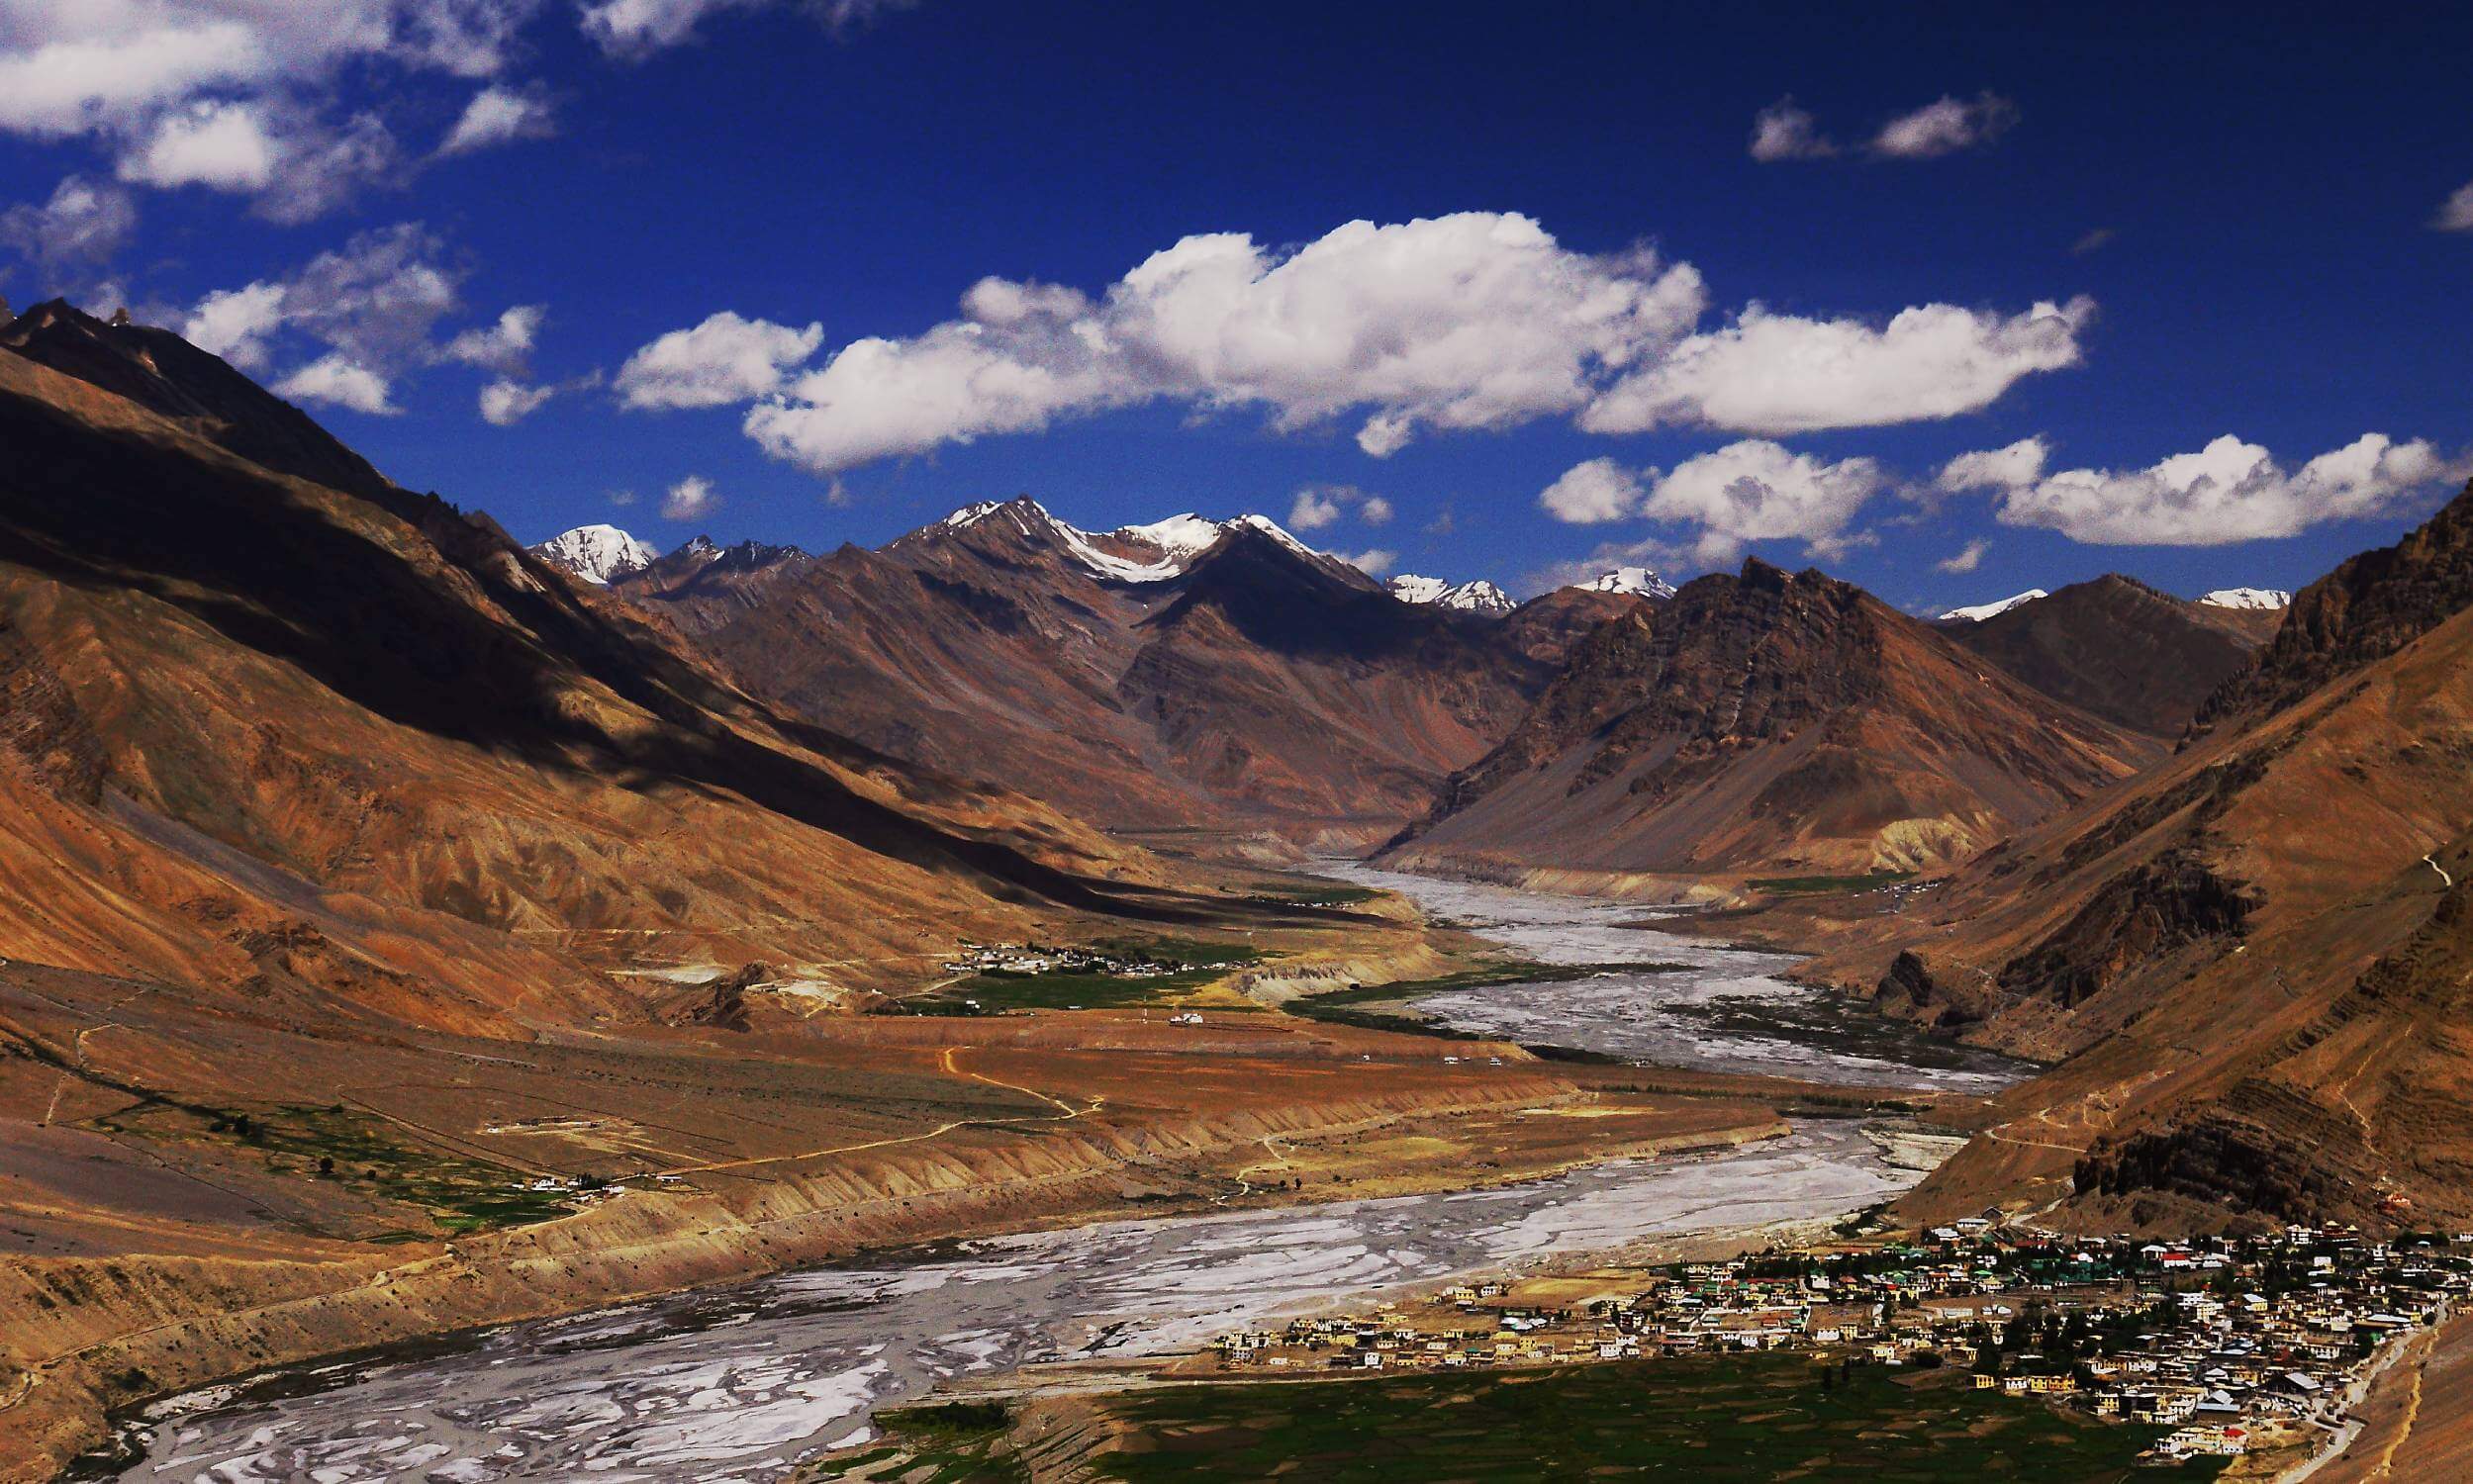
(2234, 1345)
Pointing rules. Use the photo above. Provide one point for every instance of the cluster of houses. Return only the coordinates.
(1026, 958)
(2231, 1343)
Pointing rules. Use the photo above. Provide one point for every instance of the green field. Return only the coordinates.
(1751, 1419)
(1802, 885)
(363, 1152)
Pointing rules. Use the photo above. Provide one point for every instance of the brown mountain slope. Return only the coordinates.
(292, 741)
(2118, 648)
(1246, 686)
(2254, 955)
(1770, 721)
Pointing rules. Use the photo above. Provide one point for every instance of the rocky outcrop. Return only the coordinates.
(2158, 909)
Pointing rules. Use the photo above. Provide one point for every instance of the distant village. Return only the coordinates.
(1025, 959)
(2234, 1345)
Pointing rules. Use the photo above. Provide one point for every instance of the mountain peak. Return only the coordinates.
(1479, 596)
(596, 553)
(1641, 580)
(1978, 613)
(2248, 598)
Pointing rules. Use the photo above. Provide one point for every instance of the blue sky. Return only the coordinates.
(2236, 219)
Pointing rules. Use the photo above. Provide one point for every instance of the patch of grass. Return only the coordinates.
(1807, 886)
(945, 1443)
(1731, 1421)
(1064, 989)
(359, 1151)
(1334, 895)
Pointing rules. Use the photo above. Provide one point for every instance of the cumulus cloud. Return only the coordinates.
(1474, 321)
(1592, 493)
(499, 116)
(234, 323)
(690, 498)
(1783, 131)
(501, 346)
(2228, 491)
(635, 29)
(1758, 491)
(1772, 373)
(237, 95)
(338, 380)
(1945, 126)
(1968, 559)
(506, 402)
(83, 223)
(1723, 501)
(222, 146)
(2455, 213)
(2020, 463)
(723, 360)
(370, 308)
(1319, 506)
(1374, 562)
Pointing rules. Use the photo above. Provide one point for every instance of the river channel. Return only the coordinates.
(745, 1383)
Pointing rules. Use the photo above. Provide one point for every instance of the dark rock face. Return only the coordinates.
(2160, 908)
(2366, 609)
(2221, 1161)
(1908, 991)
(2120, 649)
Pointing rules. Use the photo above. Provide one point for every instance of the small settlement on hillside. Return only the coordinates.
(2234, 1343)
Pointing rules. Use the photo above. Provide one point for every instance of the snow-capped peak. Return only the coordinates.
(596, 553)
(1180, 537)
(1271, 528)
(1637, 580)
(1479, 596)
(2248, 598)
(1979, 612)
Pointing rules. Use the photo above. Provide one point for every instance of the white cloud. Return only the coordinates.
(726, 359)
(1945, 126)
(1373, 562)
(2020, 463)
(1471, 321)
(1319, 506)
(337, 379)
(690, 498)
(1312, 510)
(1782, 130)
(224, 147)
(2093, 239)
(499, 116)
(371, 306)
(85, 221)
(2228, 491)
(506, 402)
(500, 346)
(236, 95)
(636, 29)
(234, 323)
(2455, 213)
(1474, 321)
(1758, 491)
(1969, 557)
(1781, 373)
(1592, 493)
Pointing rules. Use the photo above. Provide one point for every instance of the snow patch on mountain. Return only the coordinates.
(1635, 580)
(2248, 598)
(1978, 613)
(1479, 596)
(596, 553)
